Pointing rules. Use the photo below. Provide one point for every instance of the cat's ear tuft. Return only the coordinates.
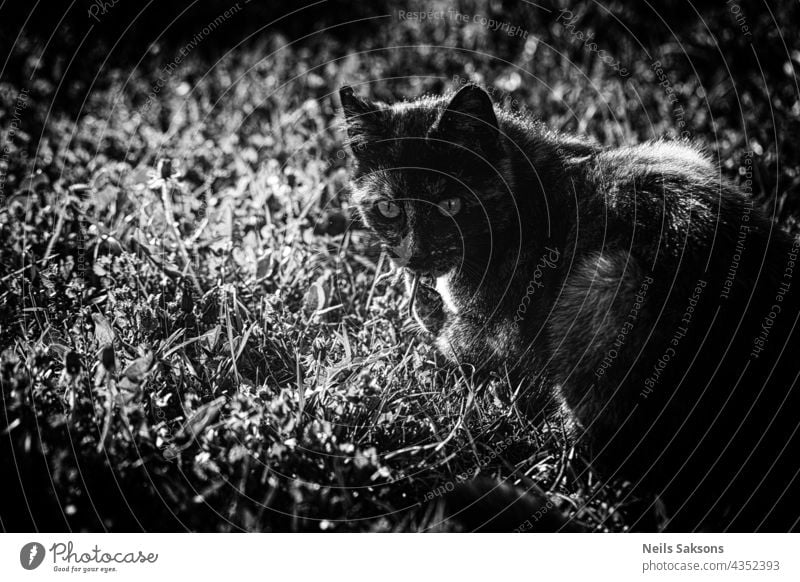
(353, 105)
(469, 117)
(361, 117)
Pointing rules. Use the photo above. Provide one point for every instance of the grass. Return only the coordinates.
(198, 334)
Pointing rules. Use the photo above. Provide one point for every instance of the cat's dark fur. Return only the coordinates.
(636, 279)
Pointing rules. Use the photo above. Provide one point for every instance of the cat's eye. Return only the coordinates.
(388, 209)
(450, 207)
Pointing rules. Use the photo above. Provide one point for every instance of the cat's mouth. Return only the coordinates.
(427, 279)
(428, 273)
(422, 266)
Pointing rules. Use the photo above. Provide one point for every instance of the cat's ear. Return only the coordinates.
(469, 118)
(362, 118)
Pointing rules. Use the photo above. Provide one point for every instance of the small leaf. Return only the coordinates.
(202, 417)
(265, 265)
(316, 296)
(72, 363)
(103, 332)
(187, 300)
(138, 369)
(212, 336)
(107, 358)
(164, 168)
(100, 375)
(127, 385)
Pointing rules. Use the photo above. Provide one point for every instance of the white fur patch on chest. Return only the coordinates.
(443, 288)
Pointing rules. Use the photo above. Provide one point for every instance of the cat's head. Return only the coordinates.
(431, 177)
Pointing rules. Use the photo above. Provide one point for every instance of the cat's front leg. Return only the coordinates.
(427, 307)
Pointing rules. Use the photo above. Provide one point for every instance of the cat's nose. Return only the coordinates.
(418, 262)
(410, 251)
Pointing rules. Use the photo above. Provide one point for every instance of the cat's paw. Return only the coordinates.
(428, 309)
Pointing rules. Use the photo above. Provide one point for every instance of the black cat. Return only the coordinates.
(659, 303)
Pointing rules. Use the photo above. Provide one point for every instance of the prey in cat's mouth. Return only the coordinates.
(425, 280)
(422, 273)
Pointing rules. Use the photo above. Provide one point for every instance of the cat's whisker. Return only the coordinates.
(414, 288)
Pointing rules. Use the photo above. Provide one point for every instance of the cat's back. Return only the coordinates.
(662, 198)
(675, 176)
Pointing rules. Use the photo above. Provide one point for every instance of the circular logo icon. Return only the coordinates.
(31, 555)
